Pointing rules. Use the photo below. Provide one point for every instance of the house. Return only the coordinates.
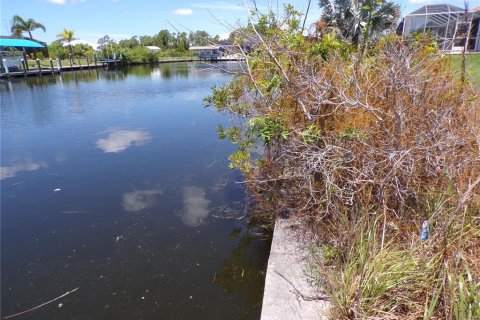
(153, 48)
(448, 24)
(212, 52)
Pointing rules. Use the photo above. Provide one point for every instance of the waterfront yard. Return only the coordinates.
(45, 63)
(473, 66)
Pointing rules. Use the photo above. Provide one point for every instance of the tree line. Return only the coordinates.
(172, 44)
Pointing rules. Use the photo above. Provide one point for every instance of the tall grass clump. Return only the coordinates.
(365, 148)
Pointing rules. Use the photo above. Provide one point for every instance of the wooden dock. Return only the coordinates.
(100, 64)
(49, 71)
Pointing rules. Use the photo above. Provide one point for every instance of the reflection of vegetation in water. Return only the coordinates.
(64, 77)
(140, 70)
(90, 75)
(164, 70)
(243, 272)
(119, 73)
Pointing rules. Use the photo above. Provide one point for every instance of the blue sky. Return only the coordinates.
(120, 19)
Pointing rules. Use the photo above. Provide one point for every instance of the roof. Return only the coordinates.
(79, 41)
(153, 48)
(11, 42)
(437, 8)
(205, 47)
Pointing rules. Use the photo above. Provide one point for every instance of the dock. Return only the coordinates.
(102, 63)
(56, 70)
(46, 71)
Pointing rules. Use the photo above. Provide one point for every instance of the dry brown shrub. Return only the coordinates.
(396, 143)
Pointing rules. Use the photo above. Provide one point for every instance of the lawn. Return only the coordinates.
(45, 63)
(473, 66)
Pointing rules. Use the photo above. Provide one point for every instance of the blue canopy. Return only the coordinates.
(10, 42)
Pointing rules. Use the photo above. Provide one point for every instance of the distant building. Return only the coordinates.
(213, 52)
(153, 48)
(448, 24)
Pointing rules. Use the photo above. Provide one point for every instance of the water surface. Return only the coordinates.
(114, 182)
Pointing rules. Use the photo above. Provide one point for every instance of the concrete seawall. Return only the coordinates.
(288, 295)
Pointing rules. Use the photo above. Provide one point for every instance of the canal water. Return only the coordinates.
(115, 183)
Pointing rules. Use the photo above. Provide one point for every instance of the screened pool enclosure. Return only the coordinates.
(449, 24)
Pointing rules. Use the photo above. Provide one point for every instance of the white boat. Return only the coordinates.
(12, 59)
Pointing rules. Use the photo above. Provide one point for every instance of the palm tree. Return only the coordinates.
(358, 20)
(16, 32)
(21, 25)
(67, 35)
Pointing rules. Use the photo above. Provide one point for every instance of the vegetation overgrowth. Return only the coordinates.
(376, 146)
(134, 50)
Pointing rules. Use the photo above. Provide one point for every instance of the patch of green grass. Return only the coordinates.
(45, 63)
(473, 66)
(178, 58)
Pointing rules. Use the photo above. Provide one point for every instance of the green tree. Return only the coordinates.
(129, 43)
(21, 25)
(146, 40)
(359, 20)
(82, 50)
(57, 50)
(67, 35)
(104, 43)
(182, 42)
(199, 38)
(162, 39)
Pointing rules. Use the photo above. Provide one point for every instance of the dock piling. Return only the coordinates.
(25, 58)
(59, 64)
(51, 67)
(88, 63)
(39, 67)
(24, 67)
(5, 66)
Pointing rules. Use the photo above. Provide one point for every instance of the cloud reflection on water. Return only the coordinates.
(195, 206)
(120, 140)
(11, 171)
(140, 199)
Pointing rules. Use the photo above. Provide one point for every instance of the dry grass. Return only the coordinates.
(366, 151)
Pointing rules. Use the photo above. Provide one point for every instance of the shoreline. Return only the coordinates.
(288, 293)
(49, 71)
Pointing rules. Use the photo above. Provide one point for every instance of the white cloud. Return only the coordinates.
(195, 206)
(10, 172)
(183, 12)
(56, 1)
(219, 5)
(120, 140)
(140, 199)
(224, 35)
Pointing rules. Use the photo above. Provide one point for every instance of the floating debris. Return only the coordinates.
(229, 212)
(425, 230)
